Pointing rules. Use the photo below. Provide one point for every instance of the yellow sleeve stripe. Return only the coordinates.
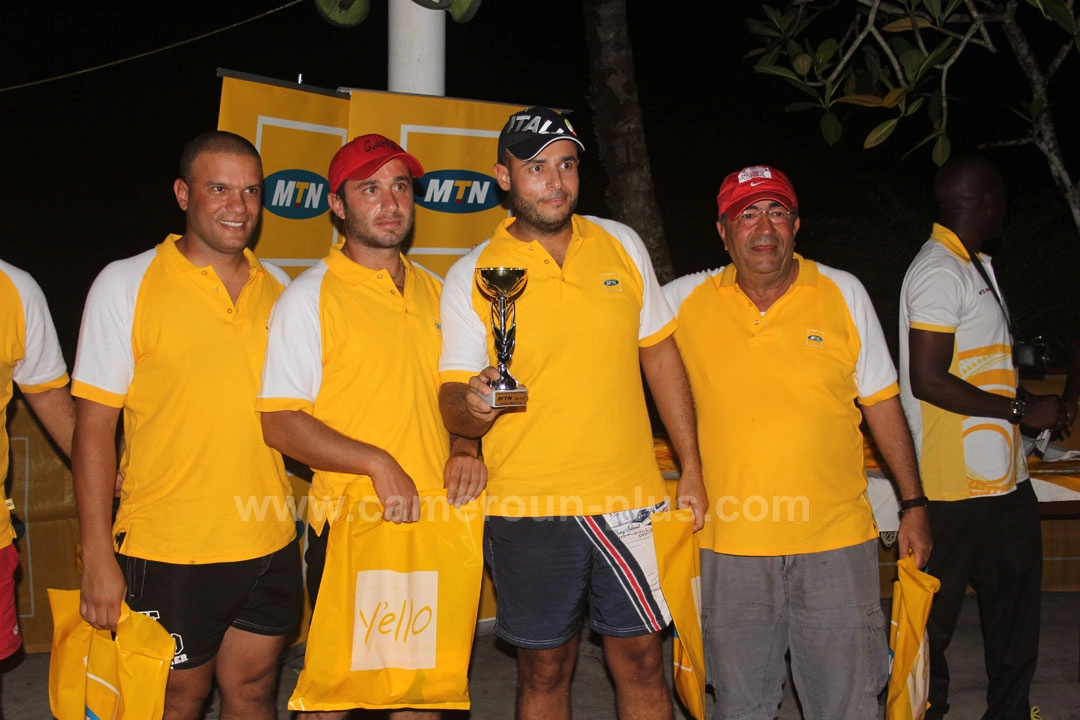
(277, 404)
(933, 328)
(659, 335)
(42, 387)
(102, 397)
(885, 393)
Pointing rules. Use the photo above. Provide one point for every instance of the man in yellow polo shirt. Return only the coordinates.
(174, 338)
(29, 356)
(350, 384)
(782, 354)
(573, 474)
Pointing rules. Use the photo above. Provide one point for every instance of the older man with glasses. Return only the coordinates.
(783, 353)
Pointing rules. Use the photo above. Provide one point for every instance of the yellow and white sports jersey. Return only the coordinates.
(162, 339)
(777, 395)
(350, 350)
(583, 445)
(960, 456)
(29, 355)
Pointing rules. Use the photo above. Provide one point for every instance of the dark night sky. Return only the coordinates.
(88, 161)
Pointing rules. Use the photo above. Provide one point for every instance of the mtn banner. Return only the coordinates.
(297, 129)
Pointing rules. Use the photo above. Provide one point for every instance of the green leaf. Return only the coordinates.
(899, 45)
(1061, 15)
(894, 97)
(826, 50)
(778, 71)
(914, 105)
(904, 25)
(940, 153)
(950, 9)
(934, 8)
(800, 106)
(861, 100)
(919, 144)
(911, 61)
(793, 49)
(756, 27)
(773, 15)
(934, 108)
(879, 134)
(754, 53)
(831, 129)
(802, 64)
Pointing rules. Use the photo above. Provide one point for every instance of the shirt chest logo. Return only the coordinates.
(815, 339)
(611, 282)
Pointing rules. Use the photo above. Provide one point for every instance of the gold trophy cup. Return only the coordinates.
(503, 285)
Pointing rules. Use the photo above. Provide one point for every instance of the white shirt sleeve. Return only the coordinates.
(43, 361)
(655, 312)
(105, 358)
(464, 335)
(874, 369)
(293, 366)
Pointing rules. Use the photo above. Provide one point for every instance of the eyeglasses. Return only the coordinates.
(775, 216)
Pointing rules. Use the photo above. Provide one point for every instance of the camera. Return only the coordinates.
(1030, 354)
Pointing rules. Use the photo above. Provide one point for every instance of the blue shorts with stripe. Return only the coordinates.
(548, 570)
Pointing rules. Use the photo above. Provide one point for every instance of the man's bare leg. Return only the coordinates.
(543, 691)
(187, 690)
(247, 673)
(637, 667)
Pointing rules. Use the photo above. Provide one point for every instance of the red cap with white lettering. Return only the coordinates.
(742, 189)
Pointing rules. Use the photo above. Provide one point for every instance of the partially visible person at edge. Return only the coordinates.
(174, 338)
(30, 357)
(786, 358)
(573, 479)
(350, 385)
(960, 393)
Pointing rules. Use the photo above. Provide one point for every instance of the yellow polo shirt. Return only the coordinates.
(29, 355)
(162, 339)
(583, 444)
(350, 350)
(778, 423)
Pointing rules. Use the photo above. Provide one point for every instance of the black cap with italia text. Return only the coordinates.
(529, 131)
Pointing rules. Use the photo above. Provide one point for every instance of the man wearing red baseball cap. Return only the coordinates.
(350, 386)
(783, 353)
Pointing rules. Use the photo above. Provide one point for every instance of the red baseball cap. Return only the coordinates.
(359, 158)
(760, 182)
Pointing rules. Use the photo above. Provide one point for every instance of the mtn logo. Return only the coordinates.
(458, 191)
(296, 194)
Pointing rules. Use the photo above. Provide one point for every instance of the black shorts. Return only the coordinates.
(198, 603)
(315, 560)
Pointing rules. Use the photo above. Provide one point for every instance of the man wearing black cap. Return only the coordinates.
(782, 354)
(573, 475)
(349, 381)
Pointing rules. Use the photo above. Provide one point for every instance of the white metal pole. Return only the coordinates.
(417, 49)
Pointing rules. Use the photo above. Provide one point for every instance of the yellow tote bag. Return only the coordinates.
(394, 622)
(94, 676)
(679, 563)
(913, 593)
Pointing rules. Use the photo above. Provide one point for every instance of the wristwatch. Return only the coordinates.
(1017, 406)
(915, 502)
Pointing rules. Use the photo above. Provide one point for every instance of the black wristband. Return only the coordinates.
(915, 502)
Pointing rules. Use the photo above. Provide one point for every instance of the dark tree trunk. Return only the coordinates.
(620, 129)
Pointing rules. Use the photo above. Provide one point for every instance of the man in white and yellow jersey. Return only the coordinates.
(174, 339)
(961, 397)
(350, 385)
(786, 358)
(30, 357)
(573, 479)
